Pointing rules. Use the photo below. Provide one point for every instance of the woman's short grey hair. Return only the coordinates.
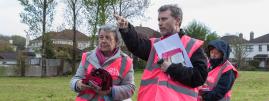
(176, 11)
(114, 29)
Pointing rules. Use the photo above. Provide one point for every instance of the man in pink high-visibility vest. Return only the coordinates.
(171, 79)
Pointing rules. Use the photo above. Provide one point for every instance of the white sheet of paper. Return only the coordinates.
(170, 43)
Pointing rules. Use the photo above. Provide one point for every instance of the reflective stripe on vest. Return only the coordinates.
(155, 81)
(122, 64)
(177, 88)
(191, 44)
(150, 65)
(222, 67)
(215, 77)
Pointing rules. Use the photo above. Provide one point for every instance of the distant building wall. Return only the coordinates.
(33, 68)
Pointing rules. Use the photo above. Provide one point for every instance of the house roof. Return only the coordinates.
(233, 38)
(8, 55)
(261, 39)
(147, 32)
(67, 34)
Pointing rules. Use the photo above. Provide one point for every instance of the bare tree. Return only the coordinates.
(129, 9)
(239, 50)
(74, 7)
(96, 15)
(21, 59)
(38, 15)
(100, 12)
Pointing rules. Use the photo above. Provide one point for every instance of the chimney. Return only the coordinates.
(241, 35)
(251, 35)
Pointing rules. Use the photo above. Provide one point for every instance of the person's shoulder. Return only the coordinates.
(125, 55)
(187, 36)
(153, 40)
(88, 53)
(196, 39)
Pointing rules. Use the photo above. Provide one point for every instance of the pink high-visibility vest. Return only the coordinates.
(118, 68)
(215, 74)
(158, 86)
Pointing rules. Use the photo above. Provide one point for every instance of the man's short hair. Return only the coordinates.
(176, 11)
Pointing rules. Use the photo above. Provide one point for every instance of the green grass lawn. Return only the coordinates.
(251, 86)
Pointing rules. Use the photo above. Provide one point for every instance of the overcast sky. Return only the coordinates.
(222, 16)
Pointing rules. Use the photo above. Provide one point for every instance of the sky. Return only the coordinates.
(222, 16)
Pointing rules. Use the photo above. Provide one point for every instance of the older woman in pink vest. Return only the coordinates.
(105, 73)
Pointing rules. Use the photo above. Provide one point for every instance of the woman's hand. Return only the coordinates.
(91, 86)
(81, 86)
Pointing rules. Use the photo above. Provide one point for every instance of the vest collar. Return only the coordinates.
(92, 58)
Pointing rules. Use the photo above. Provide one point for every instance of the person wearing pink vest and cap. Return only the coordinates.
(221, 75)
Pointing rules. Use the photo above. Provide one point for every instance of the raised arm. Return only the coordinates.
(136, 44)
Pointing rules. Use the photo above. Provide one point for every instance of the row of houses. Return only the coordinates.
(65, 38)
(255, 48)
(59, 39)
(9, 60)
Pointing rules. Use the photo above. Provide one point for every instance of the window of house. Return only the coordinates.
(267, 47)
(260, 48)
(250, 48)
